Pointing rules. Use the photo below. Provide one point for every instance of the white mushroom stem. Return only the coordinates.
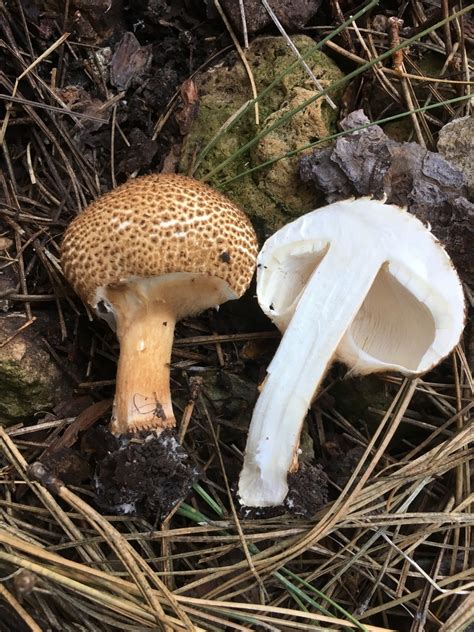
(326, 309)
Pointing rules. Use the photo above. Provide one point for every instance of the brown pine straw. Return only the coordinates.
(137, 567)
(80, 577)
(463, 616)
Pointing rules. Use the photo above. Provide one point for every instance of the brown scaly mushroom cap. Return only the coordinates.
(156, 225)
(152, 251)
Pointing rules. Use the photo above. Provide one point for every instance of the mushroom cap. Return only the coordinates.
(158, 225)
(414, 312)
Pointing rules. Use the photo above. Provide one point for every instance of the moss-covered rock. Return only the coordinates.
(273, 195)
(30, 381)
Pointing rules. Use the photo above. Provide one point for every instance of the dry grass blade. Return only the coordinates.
(120, 605)
(462, 618)
(128, 557)
(392, 418)
(85, 577)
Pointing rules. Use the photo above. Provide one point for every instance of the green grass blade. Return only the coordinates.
(209, 500)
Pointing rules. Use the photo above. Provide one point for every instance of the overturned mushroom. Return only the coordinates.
(357, 281)
(145, 255)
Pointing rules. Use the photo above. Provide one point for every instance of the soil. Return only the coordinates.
(308, 490)
(144, 474)
(145, 52)
(292, 14)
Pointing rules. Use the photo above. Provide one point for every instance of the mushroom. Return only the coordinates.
(143, 256)
(357, 281)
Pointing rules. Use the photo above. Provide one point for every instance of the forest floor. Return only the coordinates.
(378, 530)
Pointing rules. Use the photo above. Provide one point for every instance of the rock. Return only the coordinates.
(281, 180)
(292, 14)
(30, 381)
(456, 144)
(267, 195)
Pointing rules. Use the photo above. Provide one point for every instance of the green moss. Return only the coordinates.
(274, 195)
(22, 393)
(30, 381)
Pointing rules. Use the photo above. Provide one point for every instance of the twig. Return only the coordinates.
(33, 65)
